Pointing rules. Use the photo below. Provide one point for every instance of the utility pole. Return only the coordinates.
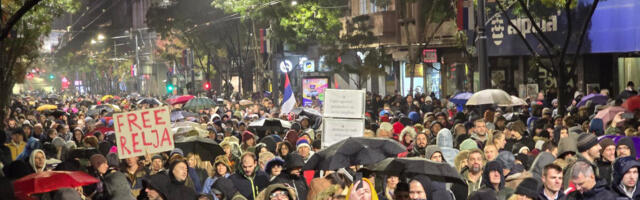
(137, 65)
(481, 43)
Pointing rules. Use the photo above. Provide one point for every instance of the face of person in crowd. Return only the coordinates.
(27, 130)
(156, 164)
(180, 171)
(12, 123)
(279, 195)
(78, 135)
(303, 151)
(392, 182)
(17, 138)
(491, 152)
(630, 178)
(53, 133)
(564, 133)
(401, 195)
(39, 160)
(284, 150)
(192, 162)
(436, 157)
(133, 161)
(623, 151)
(475, 162)
(103, 168)
(460, 130)
(494, 177)
(416, 191)
(480, 128)
(304, 123)
(609, 153)
(515, 134)
(552, 180)
(276, 170)
(221, 169)
(295, 171)
(248, 165)
(227, 150)
(442, 120)
(153, 194)
(37, 130)
(594, 151)
(421, 140)
(436, 128)
(251, 142)
(408, 139)
(361, 193)
(500, 142)
(584, 183)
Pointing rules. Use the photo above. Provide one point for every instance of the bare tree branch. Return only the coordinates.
(582, 34)
(17, 16)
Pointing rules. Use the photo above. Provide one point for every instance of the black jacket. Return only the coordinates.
(249, 187)
(620, 167)
(298, 183)
(604, 168)
(599, 192)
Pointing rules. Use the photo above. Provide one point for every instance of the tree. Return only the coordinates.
(27, 22)
(419, 18)
(355, 52)
(562, 63)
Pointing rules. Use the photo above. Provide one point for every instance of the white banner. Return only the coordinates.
(143, 131)
(340, 129)
(344, 103)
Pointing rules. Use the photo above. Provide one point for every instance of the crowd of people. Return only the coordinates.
(524, 152)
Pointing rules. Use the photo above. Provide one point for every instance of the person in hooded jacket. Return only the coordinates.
(421, 187)
(155, 187)
(38, 160)
(493, 180)
(625, 148)
(178, 175)
(222, 170)
(248, 179)
(625, 178)
(444, 140)
(293, 175)
(113, 184)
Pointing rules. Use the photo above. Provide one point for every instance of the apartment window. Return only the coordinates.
(373, 6)
(363, 7)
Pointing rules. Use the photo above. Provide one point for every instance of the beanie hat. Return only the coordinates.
(468, 144)
(605, 142)
(177, 151)
(302, 142)
(97, 160)
(586, 141)
(507, 159)
(246, 136)
(397, 127)
(157, 156)
(528, 187)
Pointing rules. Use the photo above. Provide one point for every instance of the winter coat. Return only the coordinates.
(32, 160)
(444, 140)
(599, 192)
(265, 194)
(299, 183)
(177, 189)
(15, 148)
(567, 172)
(117, 187)
(604, 167)
(484, 194)
(228, 190)
(159, 182)
(249, 187)
(197, 175)
(620, 167)
(434, 190)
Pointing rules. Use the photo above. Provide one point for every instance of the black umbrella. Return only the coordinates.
(99, 109)
(271, 141)
(314, 116)
(354, 151)
(57, 113)
(205, 147)
(409, 167)
(85, 103)
(274, 124)
(181, 114)
(150, 101)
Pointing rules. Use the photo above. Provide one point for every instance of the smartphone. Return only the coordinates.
(627, 115)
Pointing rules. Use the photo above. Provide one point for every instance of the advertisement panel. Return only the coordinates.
(313, 89)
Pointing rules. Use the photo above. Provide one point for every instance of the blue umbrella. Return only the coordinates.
(595, 98)
(461, 98)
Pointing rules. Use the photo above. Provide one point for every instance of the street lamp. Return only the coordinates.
(100, 37)
(294, 3)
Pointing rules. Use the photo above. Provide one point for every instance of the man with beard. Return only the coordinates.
(479, 132)
(419, 146)
(552, 181)
(473, 176)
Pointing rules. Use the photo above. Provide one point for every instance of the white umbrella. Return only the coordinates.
(515, 101)
(490, 96)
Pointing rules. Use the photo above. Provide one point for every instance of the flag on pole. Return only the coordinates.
(289, 101)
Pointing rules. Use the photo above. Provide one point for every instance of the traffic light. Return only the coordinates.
(206, 86)
(170, 88)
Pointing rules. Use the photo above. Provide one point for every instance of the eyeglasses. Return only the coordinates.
(280, 194)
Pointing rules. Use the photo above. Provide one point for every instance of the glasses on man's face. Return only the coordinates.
(279, 195)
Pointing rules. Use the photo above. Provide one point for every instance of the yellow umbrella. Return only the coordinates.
(47, 107)
(105, 97)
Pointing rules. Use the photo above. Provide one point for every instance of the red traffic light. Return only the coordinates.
(206, 85)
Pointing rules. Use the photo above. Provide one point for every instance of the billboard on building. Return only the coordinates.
(313, 89)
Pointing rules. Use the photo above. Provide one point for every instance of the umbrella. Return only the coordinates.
(85, 103)
(133, 96)
(180, 99)
(47, 107)
(595, 98)
(205, 147)
(53, 96)
(408, 167)
(461, 98)
(181, 114)
(607, 114)
(314, 115)
(51, 180)
(57, 113)
(515, 101)
(632, 103)
(106, 97)
(354, 151)
(245, 102)
(270, 123)
(199, 103)
(186, 128)
(150, 101)
(489, 96)
(97, 109)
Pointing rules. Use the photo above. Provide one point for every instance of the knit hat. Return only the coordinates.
(96, 160)
(176, 151)
(468, 144)
(528, 187)
(302, 142)
(247, 135)
(629, 143)
(507, 159)
(586, 141)
(397, 127)
(605, 142)
(157, 156)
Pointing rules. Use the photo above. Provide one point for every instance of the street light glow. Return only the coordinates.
(294, 3)
(93, 41)
(100, 37)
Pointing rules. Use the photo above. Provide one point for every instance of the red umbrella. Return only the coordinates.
(632, 103)
(50, 181)
(180, 99)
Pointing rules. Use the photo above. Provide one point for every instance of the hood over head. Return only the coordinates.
(629, 143)
(620, 167)
(32, 160)
(543, 159)
(492, 166)
(444, 138)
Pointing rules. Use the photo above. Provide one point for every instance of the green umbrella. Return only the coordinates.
(199, 103)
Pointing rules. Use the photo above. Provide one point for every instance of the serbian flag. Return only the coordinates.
(289, 101)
